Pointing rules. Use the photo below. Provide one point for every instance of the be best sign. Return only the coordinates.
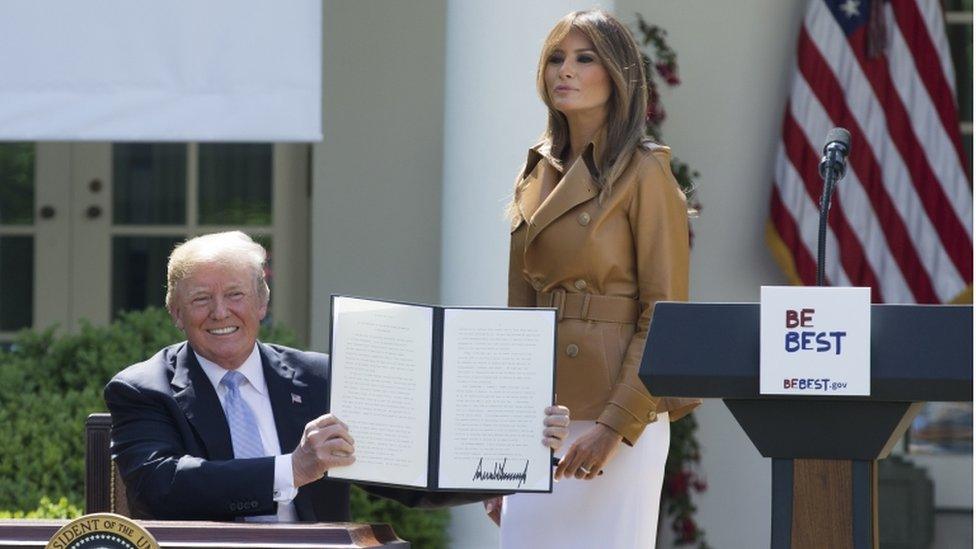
(815, 341)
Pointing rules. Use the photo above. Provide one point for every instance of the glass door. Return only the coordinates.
(85, 229)
(138, 200)
(34, 229)
(18, 236)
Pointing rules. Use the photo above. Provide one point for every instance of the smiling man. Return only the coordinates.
(223, 426)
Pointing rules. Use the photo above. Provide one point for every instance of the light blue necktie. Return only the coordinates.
(244, 433)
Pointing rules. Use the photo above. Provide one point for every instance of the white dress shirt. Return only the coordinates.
(255, 394)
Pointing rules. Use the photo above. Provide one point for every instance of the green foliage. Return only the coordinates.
(682, 476)
(47, 509)
(661, 68)
(426, 529)
(48, 386)
(50, 383)
(244, 212)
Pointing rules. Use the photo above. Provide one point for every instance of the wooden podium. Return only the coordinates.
(824, 449)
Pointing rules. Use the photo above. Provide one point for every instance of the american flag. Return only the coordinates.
(901, 220)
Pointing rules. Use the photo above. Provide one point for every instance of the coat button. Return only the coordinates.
(537, 284)
(572, 350)
(583, 218)
(580, 284)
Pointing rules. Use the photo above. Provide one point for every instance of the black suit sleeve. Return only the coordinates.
(163, 479)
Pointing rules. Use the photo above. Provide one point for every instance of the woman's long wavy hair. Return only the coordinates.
(627, 105)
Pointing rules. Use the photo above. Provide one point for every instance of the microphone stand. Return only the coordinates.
(830, 177)
(832, 169)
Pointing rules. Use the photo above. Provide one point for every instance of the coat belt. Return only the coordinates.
(599, 308)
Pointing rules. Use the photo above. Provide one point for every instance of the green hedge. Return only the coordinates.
(47, 509)
(49, 383)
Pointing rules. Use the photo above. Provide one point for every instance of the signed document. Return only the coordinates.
(443, 398)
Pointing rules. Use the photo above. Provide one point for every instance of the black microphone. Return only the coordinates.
(833, 166)
(835, 150)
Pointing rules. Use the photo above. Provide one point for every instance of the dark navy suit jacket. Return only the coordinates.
(172, 445)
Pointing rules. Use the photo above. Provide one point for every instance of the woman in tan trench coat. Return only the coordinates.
(600, 232)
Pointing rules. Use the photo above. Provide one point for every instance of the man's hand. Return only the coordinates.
(587, 456)
(556, 427)
(325, 444)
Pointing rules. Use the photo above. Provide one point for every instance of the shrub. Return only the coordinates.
(49, 383)
(47, 509)
(421, 528)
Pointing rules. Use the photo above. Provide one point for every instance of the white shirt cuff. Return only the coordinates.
(284, 480)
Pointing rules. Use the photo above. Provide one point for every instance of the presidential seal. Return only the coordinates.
(102, 531)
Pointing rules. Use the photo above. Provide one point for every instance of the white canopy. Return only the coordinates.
(145, 70)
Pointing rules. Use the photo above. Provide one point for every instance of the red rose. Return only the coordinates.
(677, 483)
(669, 72)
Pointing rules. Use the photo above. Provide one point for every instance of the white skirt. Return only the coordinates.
(617, 510)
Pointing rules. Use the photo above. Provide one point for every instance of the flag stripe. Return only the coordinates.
(901, 221)
(934, 201)
(935, 78)
(828, 90)
(933, 16)
(807, 216)
(804, 263)
(943, 146)
(798, 205)
(891, 138)
(799, 208)
(858, 208)
(905, 188)
(804, 160)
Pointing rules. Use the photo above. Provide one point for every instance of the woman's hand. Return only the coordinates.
(587, 456)
(493, 507)
(556, 426)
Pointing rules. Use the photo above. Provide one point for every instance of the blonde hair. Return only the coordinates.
(627, 105)
(227, 248)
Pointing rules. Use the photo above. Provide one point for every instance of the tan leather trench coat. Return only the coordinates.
(604, 266)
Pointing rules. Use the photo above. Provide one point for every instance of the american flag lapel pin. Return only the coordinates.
(295, 399)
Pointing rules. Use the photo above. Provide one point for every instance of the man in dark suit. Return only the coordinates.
(222, 426)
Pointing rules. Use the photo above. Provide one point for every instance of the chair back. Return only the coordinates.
(104, 490)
